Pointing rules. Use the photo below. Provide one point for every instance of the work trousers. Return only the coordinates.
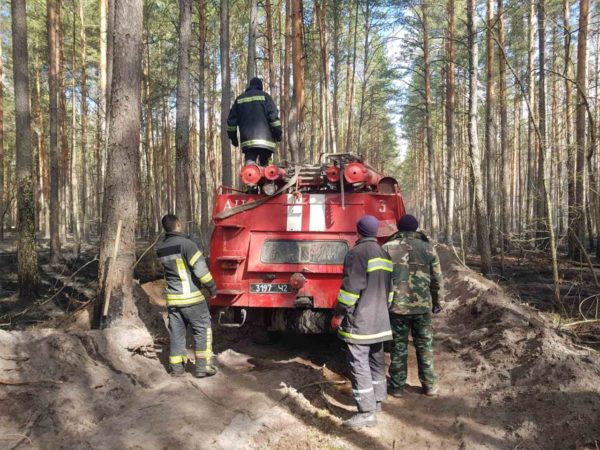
(367, 373)
(198, 317)
(419, 325)
(259, 156)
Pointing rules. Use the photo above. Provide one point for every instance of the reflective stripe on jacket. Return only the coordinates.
(256, 115)
(185, 270)
(363, 296)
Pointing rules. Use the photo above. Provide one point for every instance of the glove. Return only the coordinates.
(336, 321)
(235, 142)
(436, 309)
(276, 133)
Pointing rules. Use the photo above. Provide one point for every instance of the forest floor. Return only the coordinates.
(509, 377)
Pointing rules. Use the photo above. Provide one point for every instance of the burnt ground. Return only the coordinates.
(510, 378)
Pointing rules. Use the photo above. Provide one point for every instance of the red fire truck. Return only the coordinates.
(277, 255)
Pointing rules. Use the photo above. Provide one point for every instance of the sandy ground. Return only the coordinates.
(508, 380)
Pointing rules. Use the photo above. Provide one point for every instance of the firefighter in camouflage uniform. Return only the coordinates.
(186, 272)
(415, 295)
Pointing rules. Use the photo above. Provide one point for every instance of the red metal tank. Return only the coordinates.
(284, 256)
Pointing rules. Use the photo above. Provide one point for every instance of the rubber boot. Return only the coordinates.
(431, 391)
(203, 371)
(177, 370)
(359, 420)
(396, 392)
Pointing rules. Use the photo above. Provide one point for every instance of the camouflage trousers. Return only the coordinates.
(419, 325)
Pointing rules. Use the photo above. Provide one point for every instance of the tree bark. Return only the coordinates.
(182, 124)
(541, 186)
(270, 50)
(204, 223)
(226, 175)
(450, 123)
(122, 175)
(2, 186)
(296, 125)
(84, 121)
(27, 258)
(490, 124)
(432, 200)
(578, 225)
(329, 123)
(54, 62)
(252, 24)
(504, 181)
(102, 106)
(481, 223)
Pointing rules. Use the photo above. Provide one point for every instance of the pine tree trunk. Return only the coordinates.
(270, 50)
(531, 142)
(296, 125)
(3, 199)
(26, 247)
(226, 175)
(122, 175)
(504, 181)
(490, 125)
(481, 223)
(432, 200)
(541, 194)
(54, 62)
(578, 225)
(182, 124)
(84, 122)
(252, 24)
(204, 223)
(450, 123)
(102, 105)
(329, 122)
(350, 74)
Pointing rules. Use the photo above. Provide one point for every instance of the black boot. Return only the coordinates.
(177, 370)
(367, 419)
(203, 371)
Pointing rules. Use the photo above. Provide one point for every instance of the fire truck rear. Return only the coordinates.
(277, 255)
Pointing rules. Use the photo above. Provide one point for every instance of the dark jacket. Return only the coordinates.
(417, 279)
(363, 297)
(185, 270)
(256, 115)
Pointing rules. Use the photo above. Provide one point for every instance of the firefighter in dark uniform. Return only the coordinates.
(256, 115)
(362, 320)
(185, 272)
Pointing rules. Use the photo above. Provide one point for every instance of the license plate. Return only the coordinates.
(270, 288)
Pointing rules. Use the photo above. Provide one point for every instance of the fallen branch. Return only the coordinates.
(18, 383)
(581, 322)
(10, 437)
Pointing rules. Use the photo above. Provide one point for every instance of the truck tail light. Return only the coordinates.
(251, 174)
(333, 174)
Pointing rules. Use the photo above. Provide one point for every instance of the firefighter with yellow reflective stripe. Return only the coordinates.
(186, 272)
(255, 114)
(362, 320)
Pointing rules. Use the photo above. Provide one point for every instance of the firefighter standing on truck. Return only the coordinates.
(185, 272)
(256, 115)
(362, 320)
(417, 282)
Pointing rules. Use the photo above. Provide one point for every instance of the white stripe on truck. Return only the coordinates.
(317, 212)
(294, 213)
